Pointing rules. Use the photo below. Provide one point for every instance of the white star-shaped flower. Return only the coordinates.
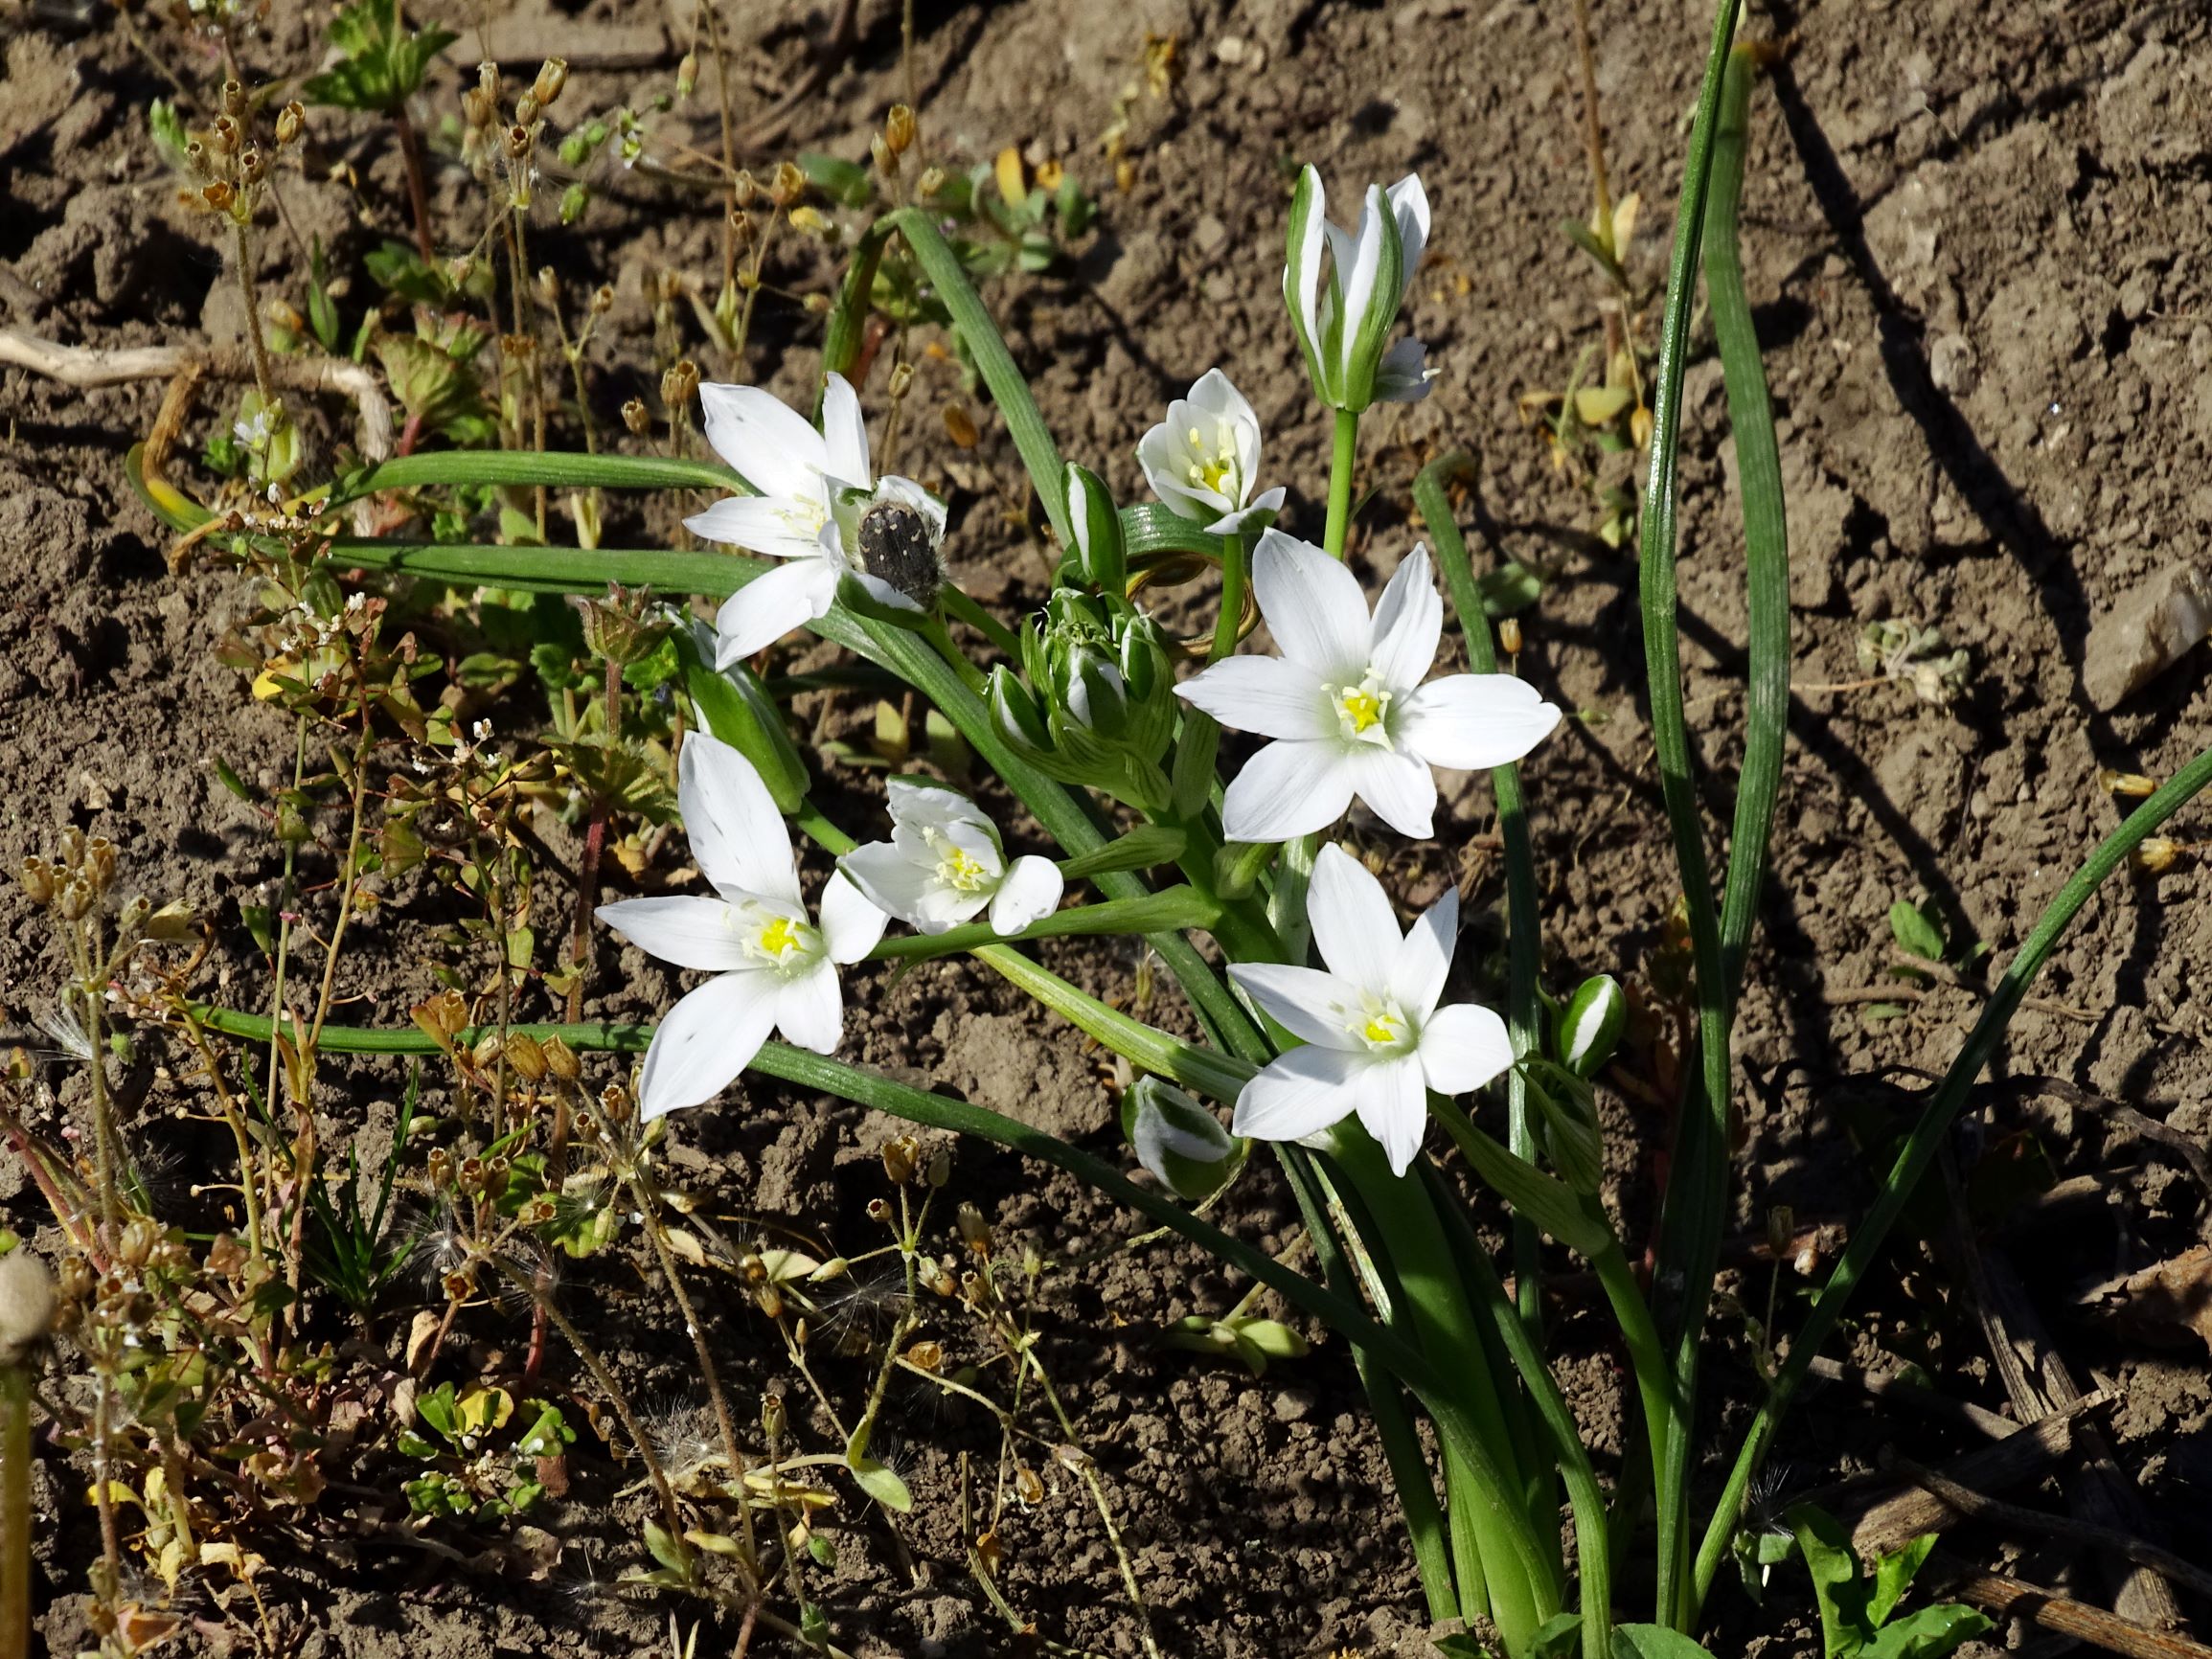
(1203, 460)
(773, 969)
(816, 489)
(945, 863)
(1375, 1041)
(1346, 704)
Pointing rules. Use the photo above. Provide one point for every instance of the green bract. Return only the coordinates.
(1099, 706)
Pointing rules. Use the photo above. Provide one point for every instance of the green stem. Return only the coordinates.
(1493, 1538)
(1171, 907)
(1922, 1145)
(1232, 616)
(1340, 471)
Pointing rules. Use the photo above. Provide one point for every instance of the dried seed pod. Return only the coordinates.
(975, 1230)
(2156, 854)
(744, 190)
(637, 417)
(679, 384)
(1509, 635)
(687, 74)
(602, 299)
(291, 122)
(560, 1060)
(36, 877)
(788, 186)
(939, 1169)
(898, 1155)
(233, 97)
(526, 1057)
(224, 136)
(526, 110)
(71, 846)
(773, 1422)
(886, 158)
(898, 128)
(931, 182)
(1781, 1228)
(552, 77)
(1027, 1487)
(927, 1355)
(76, 899)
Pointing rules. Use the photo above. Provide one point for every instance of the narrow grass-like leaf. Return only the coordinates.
(1522, 924)
(987, 348)
(554, 469)
(1696, 1194)
(1922, 1145)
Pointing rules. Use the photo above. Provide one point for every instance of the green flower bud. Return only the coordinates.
(1099, 555)
(1181, 1144)
(1590, 1025)
(733, 706)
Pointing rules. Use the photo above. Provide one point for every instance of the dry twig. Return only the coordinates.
(87, 366)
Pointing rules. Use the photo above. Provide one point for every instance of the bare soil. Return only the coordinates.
(1976, 237)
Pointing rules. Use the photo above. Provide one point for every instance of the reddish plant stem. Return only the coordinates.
(417, 187)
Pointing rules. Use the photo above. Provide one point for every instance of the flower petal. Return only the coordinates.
(851, 923)
(1313, 606)
(1268, 502)
(1463, 1046)
(770, 444)
(1408, 624)
(770, 606)
(705, 1041)
(891, 882)
(924, 803)
(736, 834)
(1161, 454)
(1424, 961)
(1394, 1107)
(844, 434)
(1287, 789)
(1303, 1001)
(1403, 375)
(1298, 1095)
(778, 526)
(1409, 202)
(1030, 893)
(810, 1009)
(1353, 926)
(1270, 695)
(1357, 283)
(1302, 269)
(1398, 788)
(1469, 721)
(689, 931)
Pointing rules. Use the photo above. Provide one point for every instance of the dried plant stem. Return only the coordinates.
(418, 186)
(707, 1373)
(249, 1186)
(672, 1516)
(14, 1511)
(250, 290)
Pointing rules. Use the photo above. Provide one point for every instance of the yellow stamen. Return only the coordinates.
(1362, 707)
(1382, 1029)
(961, 869)
(779, 939)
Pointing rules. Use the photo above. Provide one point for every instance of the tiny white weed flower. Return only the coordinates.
(818, 498)
(1346, 703)
(1375, 1040)
(1203, 460)
(773, 969)
(945, 863)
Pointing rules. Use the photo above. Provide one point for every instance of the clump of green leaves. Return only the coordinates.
(381, 62)
(1858, 1609)
(473, 1478)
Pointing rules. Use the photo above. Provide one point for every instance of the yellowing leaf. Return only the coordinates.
(1011, 185)
(1597, 405)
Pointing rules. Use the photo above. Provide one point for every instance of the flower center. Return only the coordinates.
(1363, 709)
(780, 939)
(1216, 470)
(957, 868)
(1380, 1025)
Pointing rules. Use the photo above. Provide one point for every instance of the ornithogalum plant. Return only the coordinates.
(1333, 1028)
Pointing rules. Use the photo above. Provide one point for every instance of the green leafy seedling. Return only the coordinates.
(1857, 1611)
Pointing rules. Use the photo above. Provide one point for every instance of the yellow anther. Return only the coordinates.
(958, 869)
(1382, 1029)
(1362, 707)
(779, 939)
